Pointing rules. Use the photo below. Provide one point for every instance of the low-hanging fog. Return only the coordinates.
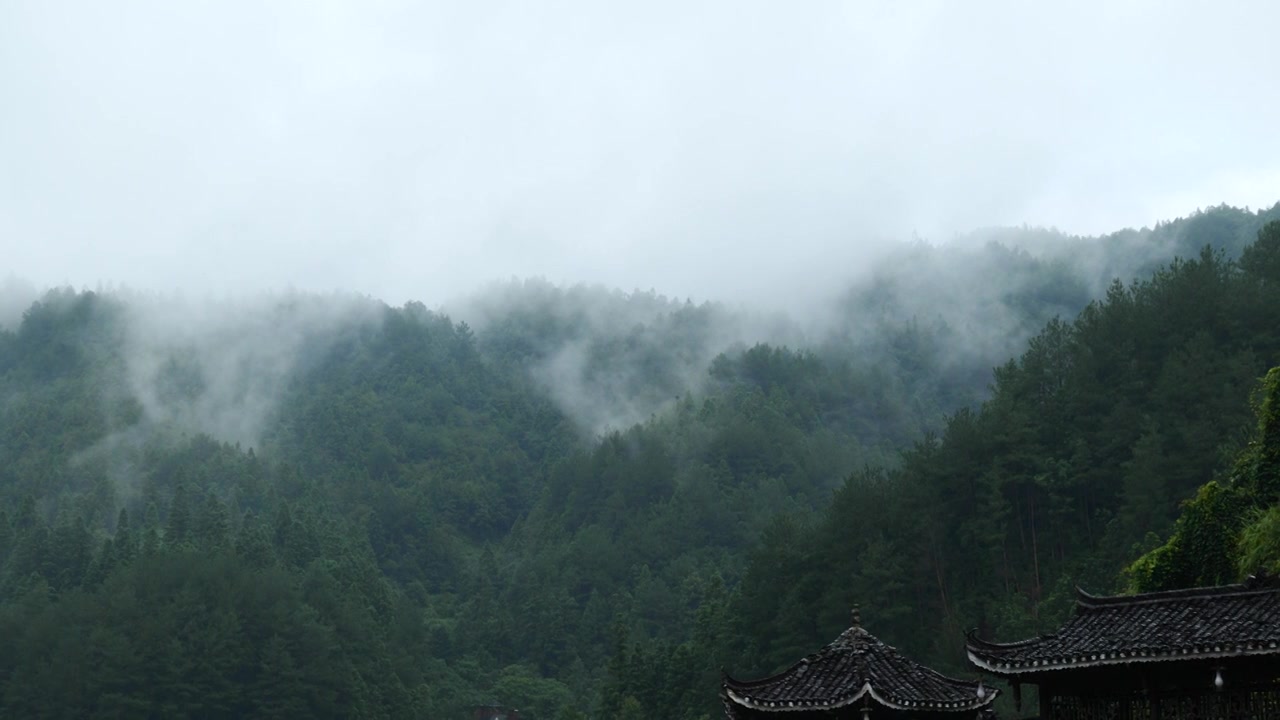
(399, 357)
(748, 152)
(608, 359)
(724, 173)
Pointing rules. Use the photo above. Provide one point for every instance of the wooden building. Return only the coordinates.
(855, 677)
(1200, 653)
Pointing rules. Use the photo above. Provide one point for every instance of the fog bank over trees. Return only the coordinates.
(939, 313)
(612, 358)
(420, 515)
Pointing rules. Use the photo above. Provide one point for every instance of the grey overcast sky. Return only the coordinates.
(729, 149)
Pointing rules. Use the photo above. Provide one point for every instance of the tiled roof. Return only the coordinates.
(854, 666)
(1225, 621)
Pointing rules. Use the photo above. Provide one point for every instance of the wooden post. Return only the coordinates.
(1046, 699)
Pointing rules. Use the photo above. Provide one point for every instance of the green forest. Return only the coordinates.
(587, 503)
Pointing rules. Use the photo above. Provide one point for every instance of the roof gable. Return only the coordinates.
(857, 665)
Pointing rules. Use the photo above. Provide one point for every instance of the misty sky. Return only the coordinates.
(416, 150)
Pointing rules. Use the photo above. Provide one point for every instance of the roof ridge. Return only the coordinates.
(855, 664)
(807, 659)
(1084, 599)
(771, 678)
(1164, 626)
(972, 636)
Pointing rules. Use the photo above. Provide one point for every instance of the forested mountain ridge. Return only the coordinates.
(938, 316)
(414, 520)
(1074, 466)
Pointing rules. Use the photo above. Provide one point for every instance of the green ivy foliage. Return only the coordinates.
(1231, 528)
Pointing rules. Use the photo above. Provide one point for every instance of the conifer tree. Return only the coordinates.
(212, 525)
(104, 563)
(151, 530)
(6, 537)
(253, 543)
(177, 530)
(126, 544)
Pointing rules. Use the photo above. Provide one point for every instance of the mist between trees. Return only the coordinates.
(577, 501)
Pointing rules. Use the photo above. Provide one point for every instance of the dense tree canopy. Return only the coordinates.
(591, 502)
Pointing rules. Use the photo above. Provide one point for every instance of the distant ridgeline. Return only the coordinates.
(335, 509)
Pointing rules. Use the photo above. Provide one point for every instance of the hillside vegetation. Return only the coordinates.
(580, 502)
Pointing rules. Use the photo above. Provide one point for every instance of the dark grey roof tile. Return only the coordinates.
(856, 665)
(1150, 627)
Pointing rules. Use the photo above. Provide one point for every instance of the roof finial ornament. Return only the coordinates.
(856, 617)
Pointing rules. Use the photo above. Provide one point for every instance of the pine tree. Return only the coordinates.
(253, 544)
(30, 556)
(177, 530)
(104, 563)
(151, 531)
(125, 542)
(616, 685)
(212, 525)
(279, 688)
(70, 553)
(6, 537)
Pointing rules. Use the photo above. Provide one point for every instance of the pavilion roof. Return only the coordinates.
(1212, 622)
(856, 665)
